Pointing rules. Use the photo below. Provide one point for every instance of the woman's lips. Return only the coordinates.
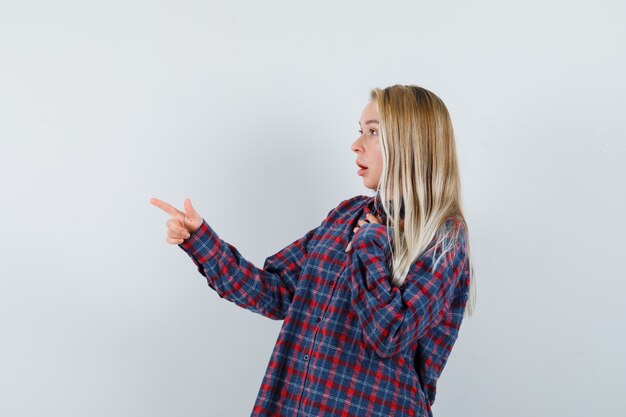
(361, 169)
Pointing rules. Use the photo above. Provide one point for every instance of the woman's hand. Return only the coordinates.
(372, 219)
(182, 224)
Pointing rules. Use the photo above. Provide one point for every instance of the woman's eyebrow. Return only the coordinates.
(370, 121)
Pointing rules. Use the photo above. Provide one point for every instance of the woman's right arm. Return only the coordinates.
(267, 291)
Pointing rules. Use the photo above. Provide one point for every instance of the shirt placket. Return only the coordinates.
(306, 358)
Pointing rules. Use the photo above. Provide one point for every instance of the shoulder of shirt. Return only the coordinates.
(349, 205)
(457, 226)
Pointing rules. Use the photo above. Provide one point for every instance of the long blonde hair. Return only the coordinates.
(421, 176)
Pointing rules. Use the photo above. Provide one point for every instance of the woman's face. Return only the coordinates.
(367, 147)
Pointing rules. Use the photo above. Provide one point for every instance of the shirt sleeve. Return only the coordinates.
(393, 318)
(267, 291)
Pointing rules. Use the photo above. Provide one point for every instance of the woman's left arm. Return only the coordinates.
(392, 318)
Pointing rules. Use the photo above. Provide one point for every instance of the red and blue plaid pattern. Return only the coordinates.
(350, 344)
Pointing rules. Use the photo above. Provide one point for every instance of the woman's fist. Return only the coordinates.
(182, 224)
(371, 218)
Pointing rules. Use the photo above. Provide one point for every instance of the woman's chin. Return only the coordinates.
(367, 184)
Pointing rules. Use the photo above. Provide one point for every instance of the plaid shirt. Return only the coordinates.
(350, 344)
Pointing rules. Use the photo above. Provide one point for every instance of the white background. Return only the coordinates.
(250, 108)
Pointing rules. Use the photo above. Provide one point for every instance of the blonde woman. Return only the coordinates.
(373, 298)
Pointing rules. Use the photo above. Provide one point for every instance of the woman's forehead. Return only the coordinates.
(370, 114)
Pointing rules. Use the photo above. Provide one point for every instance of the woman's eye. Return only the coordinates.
(372, 132)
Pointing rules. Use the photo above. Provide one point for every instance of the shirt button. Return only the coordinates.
(306, 357)
(332, 282)
(319, 319)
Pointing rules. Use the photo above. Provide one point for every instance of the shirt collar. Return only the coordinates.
(375, 207)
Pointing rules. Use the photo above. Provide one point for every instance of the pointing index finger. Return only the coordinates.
(165, 207)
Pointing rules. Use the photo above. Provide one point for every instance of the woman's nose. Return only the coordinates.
(356, 145)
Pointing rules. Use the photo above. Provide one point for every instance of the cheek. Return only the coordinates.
(378, 156)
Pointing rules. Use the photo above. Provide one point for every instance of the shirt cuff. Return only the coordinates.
(372, 234)
(203, 244)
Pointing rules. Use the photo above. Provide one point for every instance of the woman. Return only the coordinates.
(373, 298)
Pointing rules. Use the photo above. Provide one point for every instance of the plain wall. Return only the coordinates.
(250, 108)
